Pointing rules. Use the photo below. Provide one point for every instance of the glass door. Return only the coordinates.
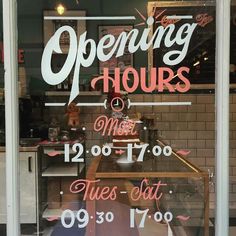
(117, 118)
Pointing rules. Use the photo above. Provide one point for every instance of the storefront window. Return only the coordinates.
(117, 118)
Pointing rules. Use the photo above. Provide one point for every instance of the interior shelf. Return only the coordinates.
(54, 171)
(61, 170)
(81, 167)
(54, 152)
(51, 213)
(48, 213)
(67, 93)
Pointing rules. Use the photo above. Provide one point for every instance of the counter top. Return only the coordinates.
(34, 148)
(22, 149)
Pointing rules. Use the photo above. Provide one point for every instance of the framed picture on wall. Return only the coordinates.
(52, 22)
(121, 62)
(200, 57)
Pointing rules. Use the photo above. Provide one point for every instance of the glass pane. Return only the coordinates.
(117, 134)
(30, 112)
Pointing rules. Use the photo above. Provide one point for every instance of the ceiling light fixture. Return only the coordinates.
(60, 9)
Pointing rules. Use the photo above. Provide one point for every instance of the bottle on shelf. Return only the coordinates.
(66, 84)
(59, 87)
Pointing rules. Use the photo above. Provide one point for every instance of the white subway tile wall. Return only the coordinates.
(184, 127)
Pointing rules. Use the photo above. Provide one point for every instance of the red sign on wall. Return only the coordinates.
(20, 55)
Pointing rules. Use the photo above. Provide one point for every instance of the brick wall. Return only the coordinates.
(183, 127)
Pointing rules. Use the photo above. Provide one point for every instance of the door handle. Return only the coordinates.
(29, 163)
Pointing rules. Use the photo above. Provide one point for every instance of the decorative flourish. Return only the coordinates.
(151, 15)
(141, 15)
(91, 191)
(146, 191)
(159, 14)
(120, 152)
(111, 126)
(54, 153)
(183, 218)
(183, 152)
(80, 185)
(100, 123)
(165, 21)
(52, 218)
(203, 19)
